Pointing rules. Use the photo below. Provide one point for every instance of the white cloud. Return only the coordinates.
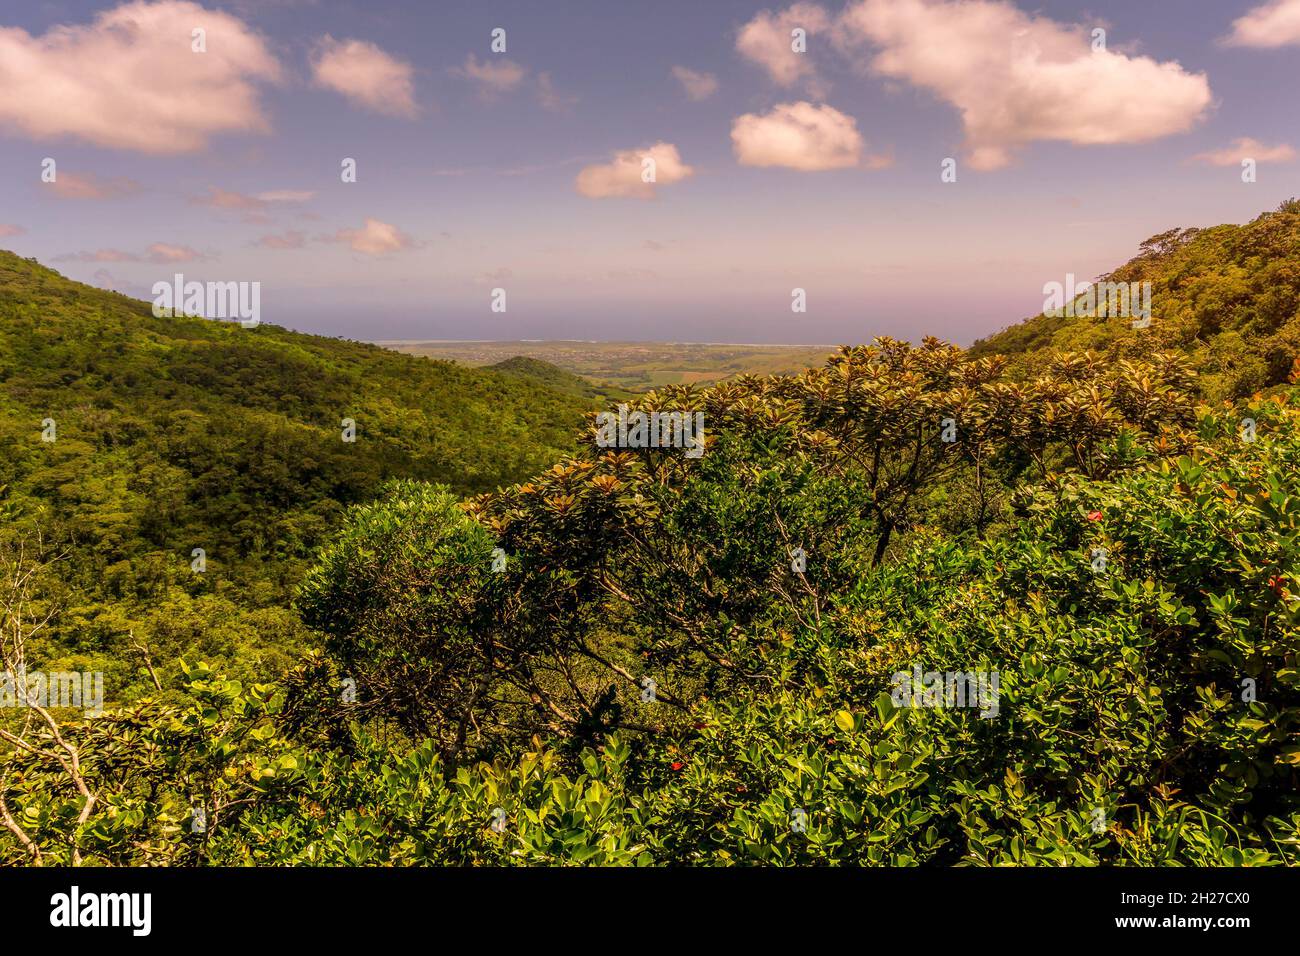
(1268, 26)
(799, 136)
(493, 76)
(622, 177)
(366, 75)
(129, 80)
(1017, 78)
(698, 86)
(767, 41)
(374, 238)
(1247, 148)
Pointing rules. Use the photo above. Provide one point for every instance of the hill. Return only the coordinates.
(536, 370)
(1227, 296)
(176, 434)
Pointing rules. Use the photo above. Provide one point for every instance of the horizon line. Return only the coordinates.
(769, 345)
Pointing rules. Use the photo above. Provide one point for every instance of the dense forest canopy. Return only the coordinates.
(173, 434)
(551, 652)
(1228, 296)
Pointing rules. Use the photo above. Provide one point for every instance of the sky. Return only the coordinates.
(220, 155)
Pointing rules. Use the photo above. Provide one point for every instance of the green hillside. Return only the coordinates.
(176, 433)
(1228, 296)
(536, 370)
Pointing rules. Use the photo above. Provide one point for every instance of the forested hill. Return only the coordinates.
(1229, 296)
(177, 433)
(523, 366)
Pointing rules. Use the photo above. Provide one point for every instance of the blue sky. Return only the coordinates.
(225, 165)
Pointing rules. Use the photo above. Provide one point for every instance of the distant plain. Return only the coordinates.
(636, 366)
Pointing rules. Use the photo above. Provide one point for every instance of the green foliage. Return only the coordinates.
(1227, 296)
(404, 598)
(177, 433)
(152, 767)
(1122, 733)
(533, 369)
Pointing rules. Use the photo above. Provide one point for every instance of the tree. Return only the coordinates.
(35, 733)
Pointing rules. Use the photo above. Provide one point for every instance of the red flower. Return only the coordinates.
(1275, 583)
(677, 765)
(1094, 515)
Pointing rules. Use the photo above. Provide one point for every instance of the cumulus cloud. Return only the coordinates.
(698, 86)
(374, 238)
(1247, 148)
(8, 229)
(366, 75)
(799, 136)
(766, 40)
(130, 80)
(1267, 26)
(624, 175)
(1017, 78)
(89, 186)
(493, 76)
